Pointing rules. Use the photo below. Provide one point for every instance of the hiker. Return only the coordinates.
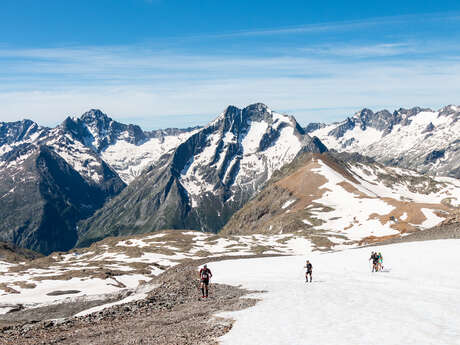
(375, 260)
(309, 268)
(380, 261)
(205, 276)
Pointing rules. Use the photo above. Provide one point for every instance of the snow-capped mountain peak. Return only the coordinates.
(416, 138)
(12, 132)
(240, 149)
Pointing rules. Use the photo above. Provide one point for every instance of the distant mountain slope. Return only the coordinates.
(50, 178)
(126, 148)
(207, 178)
(43, 197)
(346, 198)
(419, 139)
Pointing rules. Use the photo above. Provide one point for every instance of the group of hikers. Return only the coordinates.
(205, 272)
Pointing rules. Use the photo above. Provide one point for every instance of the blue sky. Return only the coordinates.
(163, 63)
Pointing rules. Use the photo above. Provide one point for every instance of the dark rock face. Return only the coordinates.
(41, 211)
(11, 132)
(95, 129)
(206, 179)
(340, 130)
(414, 138)
(314, 126)
(429, 128)
(434, 156)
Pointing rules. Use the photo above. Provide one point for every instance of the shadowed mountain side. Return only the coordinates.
(42, 212)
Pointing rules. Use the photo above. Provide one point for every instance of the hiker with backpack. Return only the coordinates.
(380, 264)
(205, 276)
(375, 261)
(309, 271)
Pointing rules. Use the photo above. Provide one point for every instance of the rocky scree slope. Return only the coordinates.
(341, 199)
(12, 254)
(420, 139)
(207, 177)
(50, 178)
(171, 314)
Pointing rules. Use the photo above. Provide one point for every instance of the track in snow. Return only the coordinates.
(418, 302)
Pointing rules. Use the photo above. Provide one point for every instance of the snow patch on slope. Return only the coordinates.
(130, 160)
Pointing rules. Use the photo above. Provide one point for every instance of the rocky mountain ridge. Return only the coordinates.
(51, 178)
(207, 177)
(420, 139)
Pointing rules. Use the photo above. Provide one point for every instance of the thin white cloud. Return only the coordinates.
(342, 26)
(349, 86)
(365, 51)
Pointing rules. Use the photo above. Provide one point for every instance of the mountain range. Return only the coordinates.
(420, 139)
(93, 177)
(51, 178)
(207, 177)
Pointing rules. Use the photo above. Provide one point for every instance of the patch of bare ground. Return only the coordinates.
(441, 232)
(258, 212)
(304, 184)
(8, 289)
(13, 254)
(173, 313)
(412, 211)
(376, 239)
(25, 285)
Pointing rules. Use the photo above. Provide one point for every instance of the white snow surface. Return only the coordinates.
(130, 160)
(416, 302)
(288, 203)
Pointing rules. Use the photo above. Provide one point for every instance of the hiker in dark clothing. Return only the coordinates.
(205, 276)
(375, 261)
(309, 272)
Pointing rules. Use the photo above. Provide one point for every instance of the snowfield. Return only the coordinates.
(417, 302)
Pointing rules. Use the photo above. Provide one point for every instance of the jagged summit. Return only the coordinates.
(11, 132)
(417, 138)
(208, 176)
(94, 114)
(450, 110)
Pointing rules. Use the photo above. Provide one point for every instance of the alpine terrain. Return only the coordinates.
(50, 178)
(275, 196)
(208, 177)
(424, 140)
(341, 199)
